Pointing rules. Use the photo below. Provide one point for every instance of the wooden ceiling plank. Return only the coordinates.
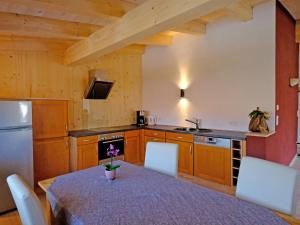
(241, 10)
(293, 6)
(99, 13)
(30, 26)
(157, 16)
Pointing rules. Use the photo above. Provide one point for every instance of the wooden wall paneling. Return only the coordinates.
(8, 74)
(40, 73)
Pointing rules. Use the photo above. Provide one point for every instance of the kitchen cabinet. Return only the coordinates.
(87, 156)
(50, 138)
(51, 158)
(212, 163)
(155, 134)
(49, 118)
(132, 146)
(83, 152)
(185, 156)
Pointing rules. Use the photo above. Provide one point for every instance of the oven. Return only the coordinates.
(116, 139)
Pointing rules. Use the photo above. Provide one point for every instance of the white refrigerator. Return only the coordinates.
(16, 154)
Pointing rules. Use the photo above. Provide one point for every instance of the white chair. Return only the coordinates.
(162, 157)
(268, 184)
(28, 204)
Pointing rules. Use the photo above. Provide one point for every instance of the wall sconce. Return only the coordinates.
(182, 93)
(294, 82)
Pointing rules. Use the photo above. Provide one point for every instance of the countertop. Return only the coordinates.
(105, 130)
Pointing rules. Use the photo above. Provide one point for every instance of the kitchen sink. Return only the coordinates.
(182, 128)
(200, 130)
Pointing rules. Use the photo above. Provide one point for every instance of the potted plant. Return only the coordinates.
(258, 122)
(110, 169)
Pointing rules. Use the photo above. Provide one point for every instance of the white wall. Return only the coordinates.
(228, 72)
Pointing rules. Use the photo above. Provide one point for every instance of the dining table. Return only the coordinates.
(141, 196)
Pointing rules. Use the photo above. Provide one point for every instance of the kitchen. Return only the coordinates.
(215, 80)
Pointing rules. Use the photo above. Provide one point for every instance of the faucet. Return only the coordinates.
(196, 122)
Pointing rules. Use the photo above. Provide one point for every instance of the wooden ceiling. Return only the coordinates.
(96, 27)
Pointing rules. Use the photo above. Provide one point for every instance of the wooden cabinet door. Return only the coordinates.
(51, 158)
(132, 145)
(185, 156)
(49, 119)
(212, 163)
(87, 156)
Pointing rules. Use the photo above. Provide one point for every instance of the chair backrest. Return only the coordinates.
(268, 184)
(162, 157)
(28, 204)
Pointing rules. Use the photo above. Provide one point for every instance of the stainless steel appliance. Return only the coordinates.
(16, 155)
(116, 139)
(140, 118)
(212, 141)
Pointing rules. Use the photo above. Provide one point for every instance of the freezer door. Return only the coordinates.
(15, 114)
(16, 156)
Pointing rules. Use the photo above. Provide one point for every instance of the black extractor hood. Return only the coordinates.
(99, 86)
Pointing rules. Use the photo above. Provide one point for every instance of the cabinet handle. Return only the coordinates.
(155, 134)
(179, 137)
(105, 142)
(86, 140)
(154, 139)
(66, 127)
(67, 144)
(190, 149)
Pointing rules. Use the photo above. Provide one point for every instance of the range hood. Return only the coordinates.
(99, 86)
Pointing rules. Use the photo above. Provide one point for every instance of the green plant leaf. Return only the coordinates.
(110, 167)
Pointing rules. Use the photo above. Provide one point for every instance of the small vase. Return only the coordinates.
(110, 174)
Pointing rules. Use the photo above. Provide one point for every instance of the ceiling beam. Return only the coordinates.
(30, 26)
(241, 10)
(100, 12)
(158, 39)
(195, 27)
(157, 16)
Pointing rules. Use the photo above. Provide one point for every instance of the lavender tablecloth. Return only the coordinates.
(142, 197)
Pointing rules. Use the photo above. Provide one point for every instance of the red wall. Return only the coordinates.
(281, 147)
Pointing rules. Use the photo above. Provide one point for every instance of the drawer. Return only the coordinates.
(132, 133)
(155, 133)
(179, 136)
(87, 140)
(153, 139)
